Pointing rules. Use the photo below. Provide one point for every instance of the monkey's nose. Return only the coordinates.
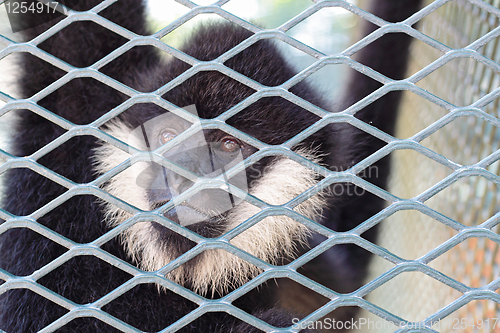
(176, 183)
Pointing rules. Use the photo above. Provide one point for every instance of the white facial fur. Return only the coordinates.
(272, 238)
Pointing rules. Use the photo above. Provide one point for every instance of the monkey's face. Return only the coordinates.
(201, 179)
(197, 164)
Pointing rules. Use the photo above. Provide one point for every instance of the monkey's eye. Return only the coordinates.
(166, 136)
(229, 145)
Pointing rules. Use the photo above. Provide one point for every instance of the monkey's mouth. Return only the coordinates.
(185, 215)
(204, 224)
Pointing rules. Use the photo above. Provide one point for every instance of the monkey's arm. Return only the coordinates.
(389, 56)
(343, 268)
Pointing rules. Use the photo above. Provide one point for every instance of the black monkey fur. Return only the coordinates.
(272, 120)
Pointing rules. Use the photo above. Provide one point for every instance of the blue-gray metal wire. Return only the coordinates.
(355, 298)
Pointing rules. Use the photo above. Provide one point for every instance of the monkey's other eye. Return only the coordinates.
(229, 145)
(166, 136)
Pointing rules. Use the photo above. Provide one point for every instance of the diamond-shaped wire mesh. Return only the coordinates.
(465, 256)
(430, 131)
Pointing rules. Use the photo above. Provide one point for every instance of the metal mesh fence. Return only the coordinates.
(470, 201)
(467, 116)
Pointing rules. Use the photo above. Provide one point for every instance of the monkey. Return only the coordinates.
(179, 181)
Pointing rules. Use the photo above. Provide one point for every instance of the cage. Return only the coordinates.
(435, 265)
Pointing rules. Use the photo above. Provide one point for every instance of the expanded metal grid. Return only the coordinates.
(470, 200)
(417, 202)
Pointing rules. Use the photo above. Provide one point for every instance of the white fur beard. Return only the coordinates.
(215, 271)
